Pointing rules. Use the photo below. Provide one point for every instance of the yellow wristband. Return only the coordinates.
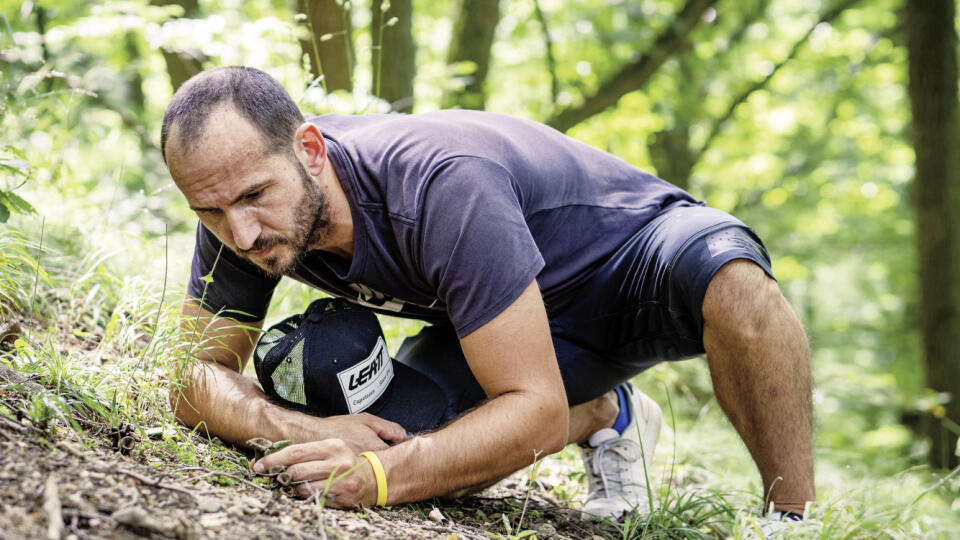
(380, 475)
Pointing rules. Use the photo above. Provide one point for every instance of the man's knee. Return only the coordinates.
(742, 300)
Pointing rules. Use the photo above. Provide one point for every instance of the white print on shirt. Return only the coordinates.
(371, 298)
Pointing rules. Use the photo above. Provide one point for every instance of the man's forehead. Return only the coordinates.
(226, 140)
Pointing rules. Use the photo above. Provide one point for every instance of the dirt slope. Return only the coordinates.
(56, 483)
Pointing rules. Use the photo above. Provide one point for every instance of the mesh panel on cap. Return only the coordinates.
(269, 340)
(288, 376)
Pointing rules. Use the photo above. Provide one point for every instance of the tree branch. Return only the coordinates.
(637, 73)
(718, 125)
(548, 42)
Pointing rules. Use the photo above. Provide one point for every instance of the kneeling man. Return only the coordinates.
(550, 273)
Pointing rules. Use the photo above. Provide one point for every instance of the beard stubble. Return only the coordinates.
(311, 222)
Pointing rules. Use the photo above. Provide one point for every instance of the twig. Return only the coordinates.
(86, 515)
(74, 522)
(12, 376)
(548, 42)
(156, 483)
(19, 428)
(52, 508)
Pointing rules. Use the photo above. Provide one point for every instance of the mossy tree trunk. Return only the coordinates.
(932, 46)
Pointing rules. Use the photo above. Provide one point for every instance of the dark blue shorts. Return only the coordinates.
(641, 307)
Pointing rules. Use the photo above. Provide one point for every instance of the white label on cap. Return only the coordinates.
(366, 381)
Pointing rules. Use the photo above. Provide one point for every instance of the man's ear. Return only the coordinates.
(310, 147)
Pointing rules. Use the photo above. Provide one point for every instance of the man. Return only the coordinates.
(551, 273)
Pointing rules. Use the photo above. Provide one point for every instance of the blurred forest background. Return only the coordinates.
(794, 115)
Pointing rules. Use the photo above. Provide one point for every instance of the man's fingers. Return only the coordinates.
(329, 466)
(300, 453)
(318, 471)
(387, 430)
(343, 491)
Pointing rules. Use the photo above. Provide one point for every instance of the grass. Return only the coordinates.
(100, 337)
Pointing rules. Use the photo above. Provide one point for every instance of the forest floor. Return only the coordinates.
(128, 481)
(55, 484)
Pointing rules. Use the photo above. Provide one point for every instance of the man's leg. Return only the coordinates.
(760, 365)
(436, 353)
(592, 416)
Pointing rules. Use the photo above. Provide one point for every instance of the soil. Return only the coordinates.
(56, 483)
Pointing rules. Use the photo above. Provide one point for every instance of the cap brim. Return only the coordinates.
(415, 402)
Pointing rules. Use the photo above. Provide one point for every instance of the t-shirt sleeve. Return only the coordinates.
(222, 282)
(477, 250)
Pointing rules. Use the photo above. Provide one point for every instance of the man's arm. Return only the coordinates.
(234, 408)
(525, 417)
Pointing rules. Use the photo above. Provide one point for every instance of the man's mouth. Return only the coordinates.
(262, 253)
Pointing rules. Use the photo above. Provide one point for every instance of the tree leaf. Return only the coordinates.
(15, 165)
(17, 204)
(15, 151)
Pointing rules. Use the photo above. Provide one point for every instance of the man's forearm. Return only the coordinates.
(230, 406)
(234, 408)
(505, 434)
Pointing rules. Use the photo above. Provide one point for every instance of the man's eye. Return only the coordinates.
(253, 195)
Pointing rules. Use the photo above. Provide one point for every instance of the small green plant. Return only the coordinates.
(13, 163)
(515, 533)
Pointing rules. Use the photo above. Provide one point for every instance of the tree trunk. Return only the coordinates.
(931, 44)
(138, 101)
(671, 155)
(472, 39)
(329, 45)
(394, 69)
(181, 65)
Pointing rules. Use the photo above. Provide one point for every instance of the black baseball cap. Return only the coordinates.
(332, 360)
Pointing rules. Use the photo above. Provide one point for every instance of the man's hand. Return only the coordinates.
(311, 465)
(361, 432)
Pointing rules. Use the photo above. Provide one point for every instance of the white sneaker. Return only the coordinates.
(614, 463)
(776, 524)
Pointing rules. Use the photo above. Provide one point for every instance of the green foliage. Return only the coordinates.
(815, 157)
(13, 164)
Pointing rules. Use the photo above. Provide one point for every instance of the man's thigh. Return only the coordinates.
(643, 305)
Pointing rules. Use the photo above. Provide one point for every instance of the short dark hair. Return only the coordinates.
(256, 96)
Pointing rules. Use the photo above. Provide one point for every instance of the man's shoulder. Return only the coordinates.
(435, 135)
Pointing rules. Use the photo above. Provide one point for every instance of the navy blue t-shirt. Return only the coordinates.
(454, 214)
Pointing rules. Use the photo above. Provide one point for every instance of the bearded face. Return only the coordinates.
(261, 203)
(277, 254)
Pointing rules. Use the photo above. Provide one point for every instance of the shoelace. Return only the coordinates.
(627, 449)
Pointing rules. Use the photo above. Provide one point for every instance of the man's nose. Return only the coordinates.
(244, 228)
